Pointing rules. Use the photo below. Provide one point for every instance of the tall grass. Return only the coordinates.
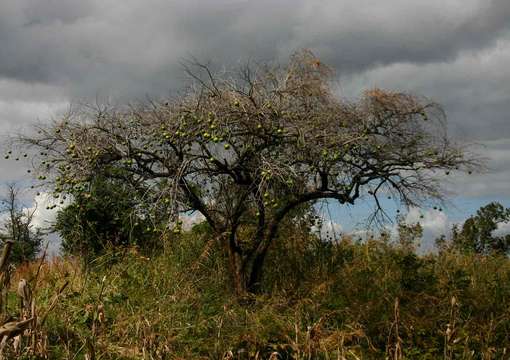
(321, 300)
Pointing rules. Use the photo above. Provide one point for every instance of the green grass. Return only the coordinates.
(320, 301)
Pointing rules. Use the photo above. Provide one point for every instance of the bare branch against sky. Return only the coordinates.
(455, 52)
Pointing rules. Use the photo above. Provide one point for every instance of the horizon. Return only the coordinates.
(455, 53)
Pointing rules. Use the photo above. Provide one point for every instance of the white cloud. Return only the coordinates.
(327, 229)
(42, 217)
(43, 212)
(431, 220)
(434, 223)
(191, 219)
(503, 229)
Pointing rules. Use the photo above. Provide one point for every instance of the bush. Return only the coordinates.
(371, 300)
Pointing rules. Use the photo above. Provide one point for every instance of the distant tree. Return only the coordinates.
(103, 217)
(17, 225)
(249, 149)
(409, 235)
(477, 232)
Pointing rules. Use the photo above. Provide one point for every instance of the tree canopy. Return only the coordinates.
(477, 233)
(246, 149)
(103, 217)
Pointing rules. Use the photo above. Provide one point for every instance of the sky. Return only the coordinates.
(455, 52)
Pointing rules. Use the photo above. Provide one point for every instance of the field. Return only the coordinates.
(343, 300)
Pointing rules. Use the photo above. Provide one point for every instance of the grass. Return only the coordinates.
(321, 301)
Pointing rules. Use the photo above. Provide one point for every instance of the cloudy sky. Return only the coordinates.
(457, 52)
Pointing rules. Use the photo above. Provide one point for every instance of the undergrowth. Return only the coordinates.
(320, 300)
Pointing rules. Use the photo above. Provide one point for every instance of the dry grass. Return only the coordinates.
(348, 301)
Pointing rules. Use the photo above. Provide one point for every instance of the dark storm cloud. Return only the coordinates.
(133, 47)
(53, 52)
(492, 182)
(32, 34)
(474, 88)
(355, 37)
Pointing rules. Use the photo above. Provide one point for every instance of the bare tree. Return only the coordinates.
(17, 226)
(245, 150)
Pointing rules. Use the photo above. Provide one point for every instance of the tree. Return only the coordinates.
(103, 217)
(18, 227)
(477, 233)
(409, 235)
(249, 149)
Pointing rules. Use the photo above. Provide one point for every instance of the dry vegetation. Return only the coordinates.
(324, 301)
(252, 152)
(248, 149)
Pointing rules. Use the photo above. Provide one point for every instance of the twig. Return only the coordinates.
(53, 303)
(43, 257)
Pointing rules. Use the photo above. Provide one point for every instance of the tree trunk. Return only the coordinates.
(237, 275)
(247, 271)
(255, 276)
(235, 266)
(257, 266)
